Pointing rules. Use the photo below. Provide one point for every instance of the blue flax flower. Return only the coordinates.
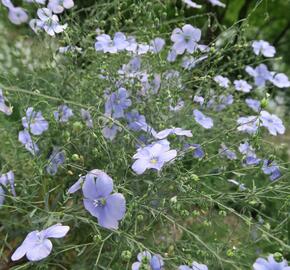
(3, 107)
(280, 80)
(264, 48)
(217, 3)
(249, 152)
(106, 207)
(261, 74)
(222, 81)
(110, 131)
(157, 44)
(56, 159)
(36, 246)
(254, 104)
(34, 122)
(63, 113)
(224, 151)
(185, 39)
(197, 150)
(136, 121)
(170, 131)
(248, 124)
(153, 156)
(86, 116)
(194, 266)
(5, 179)
(147, 261)
(270, 264)
(272, 169)
(272, 122)
(25, 138)
(243, 86)
(203, 120)
(189, 3)
(117, 102)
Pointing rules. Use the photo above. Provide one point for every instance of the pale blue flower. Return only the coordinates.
(198, 99)
(203, 120)
(34, 122)
(248, 124)
(110, 131)
(272, 122)
(77, 185)
(171, 56)
(99, 202)
(261, 74)
(249, 153)
(17, 15)
(222, 81)
(271, 168)
(280, 80)
(185, 39)
(3, 107)
(243, 86)
(145, 259)
(194, 266)
(56, 159)
(63, 113)
(25, 138)
(226, 152)
(153, 156)
(58, 6)
(264, 48)
(136, 121)
(192, 4)
(197, 150)
(157, 44)
(86, 116)
(106, 44)
(270, 264)
(117, 102)
(254, 104)
(5, 179)
(217, 3)
(36, 246)
(48, 22)
(170, 131)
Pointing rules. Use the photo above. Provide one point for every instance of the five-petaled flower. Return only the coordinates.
(106, 207)
(153, 156)
(264, 48)
(194, 266)
(270, 264)
(185, 39)
(147, 261)
(117, 102)
(48, 22)
(34, 122)
(37, 246)
(203, 120)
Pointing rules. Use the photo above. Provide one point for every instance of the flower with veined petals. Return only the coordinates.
(147, 261)
(185, 39)
(36, 246)
(99, 202)
(270, 264)
(153, 156)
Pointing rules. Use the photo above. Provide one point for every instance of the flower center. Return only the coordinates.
(153, 160)
(100, 202)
